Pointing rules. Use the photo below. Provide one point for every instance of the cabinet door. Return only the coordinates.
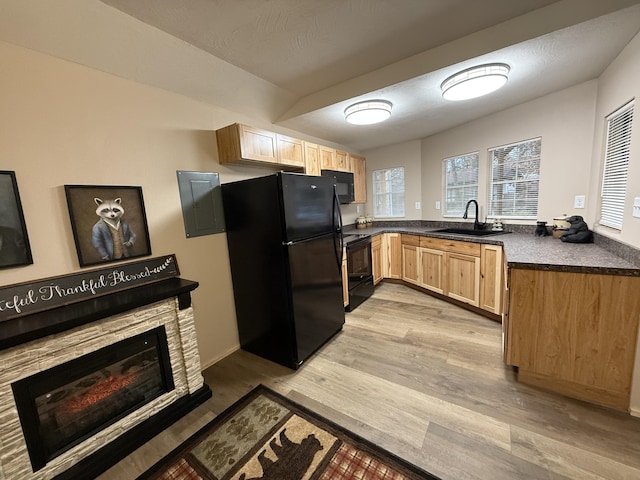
(257, 144)
(342, 161)
(358, 167)
(376, 258)
(463, 278)
(491, 278)
(290, 151)
(410, 261)
(311, 159)
(327, 158)
(392, 255)
(432, 269)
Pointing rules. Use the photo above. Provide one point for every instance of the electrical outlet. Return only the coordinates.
(636, 207)
(417, 205)
(437, 205)
(579, 201)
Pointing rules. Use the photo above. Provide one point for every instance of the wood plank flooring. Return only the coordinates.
(425, 380)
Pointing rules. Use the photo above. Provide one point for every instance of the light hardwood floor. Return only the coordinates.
(425, 380)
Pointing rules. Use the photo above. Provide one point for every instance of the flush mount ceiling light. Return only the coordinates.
(367, 113)
(475, 81)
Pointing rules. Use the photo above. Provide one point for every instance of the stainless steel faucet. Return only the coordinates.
(476, 224)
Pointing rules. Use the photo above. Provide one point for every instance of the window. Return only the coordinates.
(616, 166)
(515, 174)
(388, 192)
(461, 183)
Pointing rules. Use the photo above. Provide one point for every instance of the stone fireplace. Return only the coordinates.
(83, 385)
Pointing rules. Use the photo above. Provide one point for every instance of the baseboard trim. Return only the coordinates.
(217, 358)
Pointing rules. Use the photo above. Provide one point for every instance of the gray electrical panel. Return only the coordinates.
(201, 198)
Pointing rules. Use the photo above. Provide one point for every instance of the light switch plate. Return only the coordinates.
(579, 201)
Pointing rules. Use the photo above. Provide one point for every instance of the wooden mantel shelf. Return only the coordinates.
(55, 320)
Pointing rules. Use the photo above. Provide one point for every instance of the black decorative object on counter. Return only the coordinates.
(541, 229)
(578, 232)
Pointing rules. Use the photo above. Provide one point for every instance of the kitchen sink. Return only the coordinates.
(469, 231)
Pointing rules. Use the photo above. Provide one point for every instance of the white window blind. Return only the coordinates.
(388, 192)
(515, 177)
(616, 167)
(461, 183)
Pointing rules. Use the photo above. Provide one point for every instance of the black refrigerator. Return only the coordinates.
(284, 233)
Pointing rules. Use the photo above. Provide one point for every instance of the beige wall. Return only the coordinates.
(564, 120)
(619, 84)
(61, 123)
(405, 155)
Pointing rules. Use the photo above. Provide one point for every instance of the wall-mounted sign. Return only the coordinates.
(30, 297)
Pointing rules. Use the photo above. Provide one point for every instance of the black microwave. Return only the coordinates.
(343, 182)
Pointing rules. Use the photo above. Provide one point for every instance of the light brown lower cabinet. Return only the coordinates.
(574, 333)
(448, 267)
(462, 277)
(410, 258)
(392, 255)
(376, 258)
(491, 278)
(432, 264)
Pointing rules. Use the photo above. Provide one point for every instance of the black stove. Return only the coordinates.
(359, 268)
(351, 238)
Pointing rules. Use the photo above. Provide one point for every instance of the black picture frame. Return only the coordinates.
(93, 237)
(14, 241)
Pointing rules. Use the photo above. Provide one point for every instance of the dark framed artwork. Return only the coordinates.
(109, 223)
(14, 242)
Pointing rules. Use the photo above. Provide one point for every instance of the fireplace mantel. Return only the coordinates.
(55, 320)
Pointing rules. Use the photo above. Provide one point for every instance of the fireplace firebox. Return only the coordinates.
(62, 406)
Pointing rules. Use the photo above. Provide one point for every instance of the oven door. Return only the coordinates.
(358, 262)
(359, 272)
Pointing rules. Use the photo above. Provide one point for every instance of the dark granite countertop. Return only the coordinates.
(527, 251)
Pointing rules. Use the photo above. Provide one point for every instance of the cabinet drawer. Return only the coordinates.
(376, 241)
(465, 248)
(410, 240)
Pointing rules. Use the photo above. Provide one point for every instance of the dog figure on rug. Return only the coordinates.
(578, 232)
(111, 236)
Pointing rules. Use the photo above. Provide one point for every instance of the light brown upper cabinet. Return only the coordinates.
(243, 144)
(327, 158)
(342, 161)
(311, 158)
(290, 151)
(358, 167)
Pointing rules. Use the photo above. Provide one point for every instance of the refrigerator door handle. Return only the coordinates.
(337, 229)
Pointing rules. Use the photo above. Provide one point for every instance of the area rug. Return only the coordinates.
(264, 435)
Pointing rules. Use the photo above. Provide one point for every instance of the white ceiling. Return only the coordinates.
(299, 63)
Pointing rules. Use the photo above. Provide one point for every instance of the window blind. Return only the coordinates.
(515, 177)
(461, 182)
(616, 167)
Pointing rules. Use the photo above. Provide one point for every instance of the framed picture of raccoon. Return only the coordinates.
(109, 223)
(14, 242)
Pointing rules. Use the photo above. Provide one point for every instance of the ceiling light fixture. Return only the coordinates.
(475, 81)
(369, 112)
